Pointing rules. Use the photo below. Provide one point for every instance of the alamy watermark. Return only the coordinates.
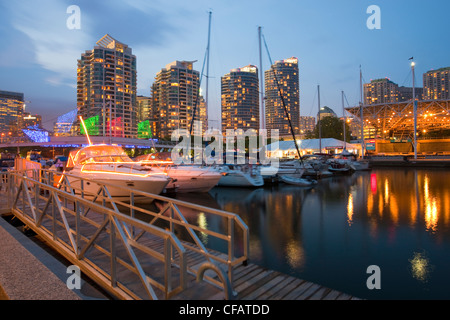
(241, 147)
(374, 280)
(74, 280)
(74, 20)
(374, 20)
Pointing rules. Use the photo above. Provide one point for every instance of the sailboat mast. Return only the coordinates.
(361, 112)
(415, 109)
(319, 120)
(345, 118)
(262, 111)
(207, 72)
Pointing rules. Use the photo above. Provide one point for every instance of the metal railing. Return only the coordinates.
(128, 234)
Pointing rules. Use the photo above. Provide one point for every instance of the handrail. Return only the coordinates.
(171, 212)
(89, 241)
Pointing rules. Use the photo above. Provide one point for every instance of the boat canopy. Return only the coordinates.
(311, 144)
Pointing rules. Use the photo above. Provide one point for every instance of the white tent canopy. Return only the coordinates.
(312, 145)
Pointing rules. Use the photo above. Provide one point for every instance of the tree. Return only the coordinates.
(332, 127)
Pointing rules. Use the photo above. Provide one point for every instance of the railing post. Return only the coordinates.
(113, 252)
(230, 249)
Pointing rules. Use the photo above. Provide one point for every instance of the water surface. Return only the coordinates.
(396, 219)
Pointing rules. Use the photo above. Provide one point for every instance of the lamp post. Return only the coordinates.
(413, 64)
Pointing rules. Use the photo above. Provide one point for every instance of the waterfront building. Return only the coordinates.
(286, 72)
(12, 105)
(380, 91)
(32, 120)
(436, 84)
(143, 105)
(175, 93)
(354, 124)
(64, 124)
(406, 93)
(306, 124)
(240, 99)
(325, 112)
(106, 87)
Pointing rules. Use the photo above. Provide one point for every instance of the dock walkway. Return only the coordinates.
(29, 272)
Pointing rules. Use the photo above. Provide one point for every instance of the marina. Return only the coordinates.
(125, 176)
(317, 239)
(86, 221)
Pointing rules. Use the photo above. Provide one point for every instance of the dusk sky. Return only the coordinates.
(38, 55)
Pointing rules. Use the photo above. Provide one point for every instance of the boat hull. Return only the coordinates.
(119, 189)
(241, 180)
(188, 183)
(297, 181)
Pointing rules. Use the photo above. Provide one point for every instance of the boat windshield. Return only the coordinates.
(103, 153)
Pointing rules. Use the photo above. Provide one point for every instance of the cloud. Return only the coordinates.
(56, 48)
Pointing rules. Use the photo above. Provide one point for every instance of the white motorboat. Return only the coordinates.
(185, 178)
(350, 160)
(244, 175)
(316, 166)
(110, 164)
(339, 167)
(297, 181)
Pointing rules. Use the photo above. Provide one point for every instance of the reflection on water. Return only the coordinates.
(420, 267)
(350, 209)
(331, 233)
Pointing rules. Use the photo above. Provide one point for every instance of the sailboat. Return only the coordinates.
(291, 179)
(347, 157)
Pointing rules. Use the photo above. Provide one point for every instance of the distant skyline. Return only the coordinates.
(39, 54)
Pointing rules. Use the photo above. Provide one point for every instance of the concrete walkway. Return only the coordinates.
(28, 272)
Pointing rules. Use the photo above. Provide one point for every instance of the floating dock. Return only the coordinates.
(124, 257)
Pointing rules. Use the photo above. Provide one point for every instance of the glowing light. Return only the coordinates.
(85, 130)
(39, 136)
(373, 183)
(144, 130)
(431, 208)
(295, 254)
(350, 209)
(203, 223)
(65, 122)
(90, 126)
(420, 267)
(115, 127)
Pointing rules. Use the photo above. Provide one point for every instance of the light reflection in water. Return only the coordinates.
(373, 183)
(203, 223)
(420, 267)
(350, 209)
(349, 222)
(295, 254)
(386, 191)
(431, 207)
